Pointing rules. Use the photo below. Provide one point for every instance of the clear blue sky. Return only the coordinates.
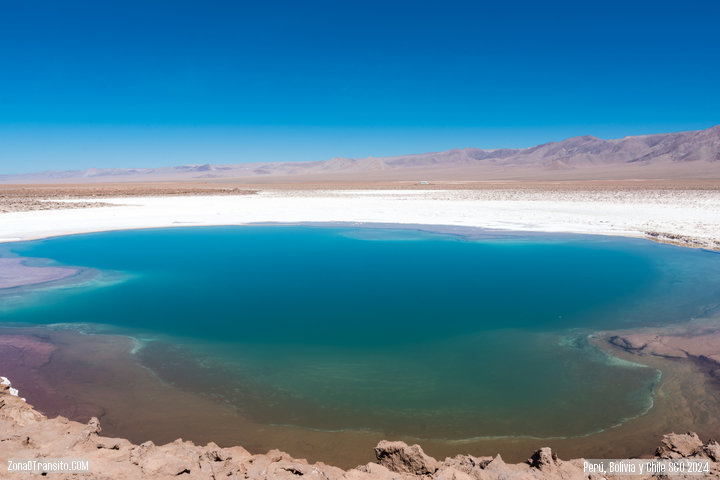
(148, 83)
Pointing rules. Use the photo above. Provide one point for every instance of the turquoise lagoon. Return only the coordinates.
(398, 331)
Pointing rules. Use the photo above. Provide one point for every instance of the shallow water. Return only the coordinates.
(393, 331)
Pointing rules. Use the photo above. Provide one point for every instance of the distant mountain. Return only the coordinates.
(694, 154)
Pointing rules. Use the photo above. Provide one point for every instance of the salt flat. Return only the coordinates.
(685, 216)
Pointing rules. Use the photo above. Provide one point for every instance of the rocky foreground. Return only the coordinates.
(27, 434)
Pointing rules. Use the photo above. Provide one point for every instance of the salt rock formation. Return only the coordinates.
(27, 434)
(400, 457)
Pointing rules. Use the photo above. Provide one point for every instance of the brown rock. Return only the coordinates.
(403, 458)
(711, 450)
(25, 433)
(372, 471)
(543, 459)
(679, 445)
(89, 433)
(496, 463)
(467, 463)
(450, 473)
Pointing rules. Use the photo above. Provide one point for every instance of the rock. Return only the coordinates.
(403, 458)
(277, 456)
(236, 453)
(451, 473)
(372, 471)
(496, 463)
(543, 458)
(288, 469)
(712, 450)
(25, 433)
(679, 445)
(173, 459)
(86, 435)
(467, 463)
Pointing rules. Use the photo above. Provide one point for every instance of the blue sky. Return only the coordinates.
(149, 83)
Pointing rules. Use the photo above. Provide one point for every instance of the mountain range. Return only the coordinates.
(693, 154)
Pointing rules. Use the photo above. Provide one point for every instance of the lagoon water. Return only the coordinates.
(401, 332)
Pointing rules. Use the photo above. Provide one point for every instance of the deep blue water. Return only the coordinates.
(395, 331)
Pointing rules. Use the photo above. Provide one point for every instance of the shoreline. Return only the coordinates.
(679, 217)
(361, 451)
(26, 433)
(682, 391)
